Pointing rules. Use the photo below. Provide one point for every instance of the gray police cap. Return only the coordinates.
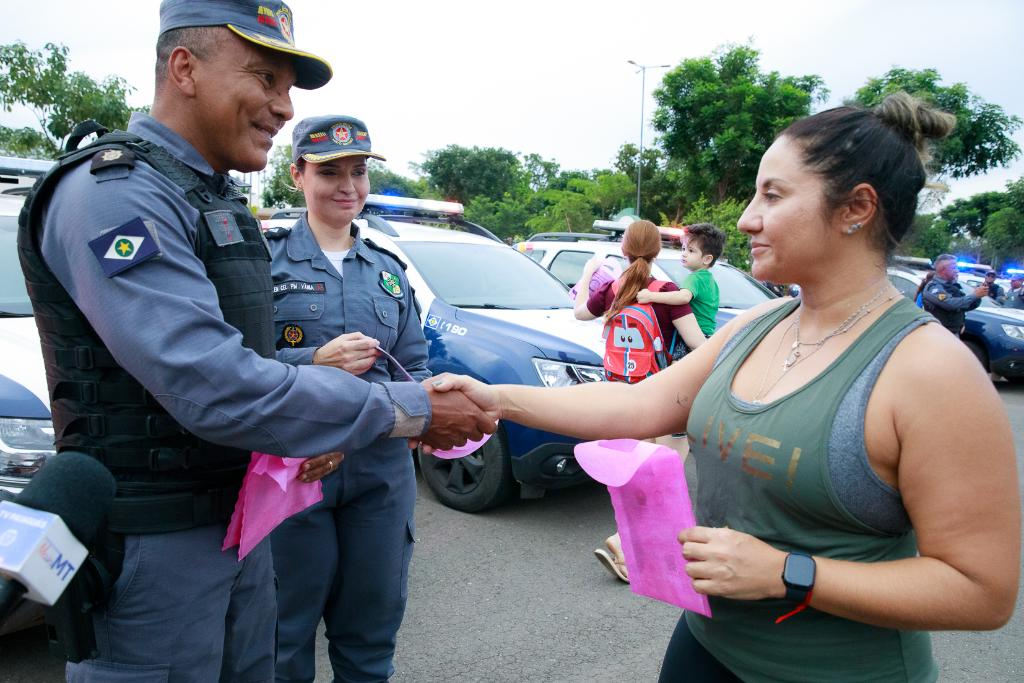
(323, 138)
(267, 23)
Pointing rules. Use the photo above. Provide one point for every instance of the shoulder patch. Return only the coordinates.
(125, 246)
(106, 158)
(276, 233)
(376, 247)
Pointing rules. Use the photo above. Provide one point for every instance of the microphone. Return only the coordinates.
(46, 531)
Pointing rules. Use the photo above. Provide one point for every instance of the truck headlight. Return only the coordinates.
(24, 446)
(556, 374)
(1015, 331)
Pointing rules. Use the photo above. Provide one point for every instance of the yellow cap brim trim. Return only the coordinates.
(287, 48)
(314, 158)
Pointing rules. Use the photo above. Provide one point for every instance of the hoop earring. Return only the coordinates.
(854, 228)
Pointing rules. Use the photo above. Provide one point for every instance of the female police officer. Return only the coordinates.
(336, 297)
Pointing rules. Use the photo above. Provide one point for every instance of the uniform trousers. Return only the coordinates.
(183, 611)
(346, 559)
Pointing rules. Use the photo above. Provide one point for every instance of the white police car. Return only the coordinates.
(565, 254)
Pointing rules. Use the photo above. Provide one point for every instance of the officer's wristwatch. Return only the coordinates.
(798, 576)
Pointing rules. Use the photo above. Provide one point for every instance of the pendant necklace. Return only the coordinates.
(797, 354)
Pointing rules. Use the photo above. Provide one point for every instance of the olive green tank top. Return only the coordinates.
(763, 469)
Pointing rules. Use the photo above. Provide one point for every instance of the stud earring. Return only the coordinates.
(854, 228)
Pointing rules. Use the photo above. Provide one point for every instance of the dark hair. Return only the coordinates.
(885, 146)
(924, 283)
(707, 238)
(202, 41)
(641, 245)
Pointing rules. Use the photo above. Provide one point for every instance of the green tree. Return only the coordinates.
(609, 192)
(59, 99)
(461, 173)
(717, 115)
(1004, 236)
(540, 172)
(385, 181)
(929, 236)
(724, 215)
(982, 139)
(968, 216)
(566, 211)
(279, 191)
(506, 218)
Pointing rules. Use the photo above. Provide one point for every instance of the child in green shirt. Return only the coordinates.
(703, 246)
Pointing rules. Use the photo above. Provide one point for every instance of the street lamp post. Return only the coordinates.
(642, 69)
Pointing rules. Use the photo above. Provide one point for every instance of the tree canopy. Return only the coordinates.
(718, 114)
(461, 173)
(59, 99)
(982, 139)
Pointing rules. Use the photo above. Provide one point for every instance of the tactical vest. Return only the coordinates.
(168, 478)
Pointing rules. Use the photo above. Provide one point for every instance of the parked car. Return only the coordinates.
(487, 311)
(993, 333)
(565, 254)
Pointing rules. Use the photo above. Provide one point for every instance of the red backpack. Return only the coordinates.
(633, 347)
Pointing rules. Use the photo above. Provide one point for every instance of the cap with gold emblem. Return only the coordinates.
(323, 138)
(267, 23)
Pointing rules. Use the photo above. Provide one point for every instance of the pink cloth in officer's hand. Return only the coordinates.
(461, 451)
(271, 493)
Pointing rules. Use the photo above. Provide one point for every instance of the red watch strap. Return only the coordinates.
(799, 608)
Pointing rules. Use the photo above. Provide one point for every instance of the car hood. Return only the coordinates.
(23, 390)
(1015, 313)
(544, 328)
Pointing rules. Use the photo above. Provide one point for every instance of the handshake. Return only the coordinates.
(462, 409)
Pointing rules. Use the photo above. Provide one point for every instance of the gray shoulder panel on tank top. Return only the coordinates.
(859, 489)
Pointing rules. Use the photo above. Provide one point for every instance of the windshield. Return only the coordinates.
(13, 297)
(485, 276)
(736, 289)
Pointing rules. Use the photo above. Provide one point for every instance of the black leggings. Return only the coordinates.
(687, 660)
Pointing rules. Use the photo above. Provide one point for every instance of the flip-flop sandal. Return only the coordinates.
(617, 569)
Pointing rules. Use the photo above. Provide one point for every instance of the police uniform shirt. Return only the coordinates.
(314, 302)
(161, 321)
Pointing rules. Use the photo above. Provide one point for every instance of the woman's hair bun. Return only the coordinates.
(915, 119)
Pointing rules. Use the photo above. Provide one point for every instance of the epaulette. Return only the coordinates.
(376, 247)
(277, 233)
(111, 157)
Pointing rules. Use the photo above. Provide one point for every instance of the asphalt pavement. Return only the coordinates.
(515, 594)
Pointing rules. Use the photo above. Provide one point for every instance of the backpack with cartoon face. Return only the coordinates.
(633, 347)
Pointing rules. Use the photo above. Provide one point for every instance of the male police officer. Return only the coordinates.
(944, 297)
(151, 286)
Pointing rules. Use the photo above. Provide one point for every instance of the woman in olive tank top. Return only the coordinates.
(848, 499)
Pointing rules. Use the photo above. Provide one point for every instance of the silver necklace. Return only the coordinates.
(795, 355)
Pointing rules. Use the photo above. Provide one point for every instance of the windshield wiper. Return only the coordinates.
(496, 307)
(12, 314)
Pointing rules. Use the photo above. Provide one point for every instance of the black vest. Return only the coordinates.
(169, 478)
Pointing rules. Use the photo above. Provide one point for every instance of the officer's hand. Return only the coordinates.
(980, 291)
(320, 466)
(643, 296)
(455, 417)
(353, 352)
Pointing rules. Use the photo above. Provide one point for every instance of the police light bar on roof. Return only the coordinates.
(1015, 271)
(407, 203)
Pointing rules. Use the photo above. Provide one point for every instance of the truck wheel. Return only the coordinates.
(478, 481)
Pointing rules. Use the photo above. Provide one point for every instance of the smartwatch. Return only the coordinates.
(798, 576)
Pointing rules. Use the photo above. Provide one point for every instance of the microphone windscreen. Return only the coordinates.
(76, 488)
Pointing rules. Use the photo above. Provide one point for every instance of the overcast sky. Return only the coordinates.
(552, 77)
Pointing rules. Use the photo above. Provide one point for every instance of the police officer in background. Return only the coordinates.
(944, 297)
(151, 288)
(339, 299)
